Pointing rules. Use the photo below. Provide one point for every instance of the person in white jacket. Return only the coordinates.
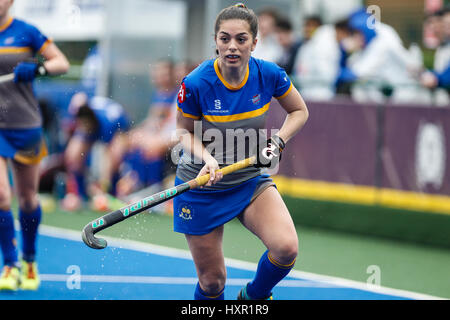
(382, 66)
(268, 47)
(316, 65)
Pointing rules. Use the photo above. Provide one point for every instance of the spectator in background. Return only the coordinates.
(439, 78)
(317, 63)
(433, 34)
(98, 119)
(310, 26)
(148, 143)
(381, 64)
(286, 38)
(344, 78)
(268, 47)
(181, 69)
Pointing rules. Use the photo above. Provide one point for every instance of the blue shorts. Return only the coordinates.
(26, 146)
(200, 211)
(147, 171)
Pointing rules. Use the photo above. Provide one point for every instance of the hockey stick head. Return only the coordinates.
(114, 217)
(7, 77)
(90, 240)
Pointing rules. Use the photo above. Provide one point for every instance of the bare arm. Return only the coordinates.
(56, 62)
(297, 115)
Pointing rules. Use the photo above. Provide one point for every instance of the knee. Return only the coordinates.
(75, 156)
(213, 282)
(28, 202)
(73, 163)
(286, 251)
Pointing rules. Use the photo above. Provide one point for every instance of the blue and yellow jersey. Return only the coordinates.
(234, 111)
(111, 118)
(206, 94)
(19, 41)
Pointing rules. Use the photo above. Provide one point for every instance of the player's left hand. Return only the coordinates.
(269, 153)
(28, 70)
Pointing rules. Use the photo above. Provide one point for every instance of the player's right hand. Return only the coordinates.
(211, 166)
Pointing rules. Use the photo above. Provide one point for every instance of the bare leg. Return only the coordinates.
(75, 159)
(209, 261)
(5, 190)
(26, 179)
(114, 156)
(269, 219)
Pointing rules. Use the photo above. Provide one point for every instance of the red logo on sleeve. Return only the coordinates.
(182, 93)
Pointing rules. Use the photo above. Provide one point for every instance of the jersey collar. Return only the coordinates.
(6, 24)
(225, 83)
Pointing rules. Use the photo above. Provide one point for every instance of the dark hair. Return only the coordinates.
(315, 19)
(342, 24)
(85, 113)
(241, 12)
(284, 24)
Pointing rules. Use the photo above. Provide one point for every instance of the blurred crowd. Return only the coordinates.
(358, 56)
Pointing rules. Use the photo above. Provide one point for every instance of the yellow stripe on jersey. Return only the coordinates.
(238, 116)
(286, 93)
(14, 50)
(225, 83)
(44, 46)
(187, 115)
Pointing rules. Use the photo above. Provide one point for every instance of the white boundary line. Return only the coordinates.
(326, 281)
(173, 280)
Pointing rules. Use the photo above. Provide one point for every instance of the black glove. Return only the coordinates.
(269, 153)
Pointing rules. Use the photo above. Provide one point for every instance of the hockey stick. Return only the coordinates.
(126, 212)
(7, 77)
(40, 71)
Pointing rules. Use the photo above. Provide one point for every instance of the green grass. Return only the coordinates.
(412, 226)
(403, 265)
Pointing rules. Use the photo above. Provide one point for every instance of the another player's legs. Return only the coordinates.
(116, 151)
(269, 219)
(26, 178)
(75, 160)
(210, 264)
(9, 278)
